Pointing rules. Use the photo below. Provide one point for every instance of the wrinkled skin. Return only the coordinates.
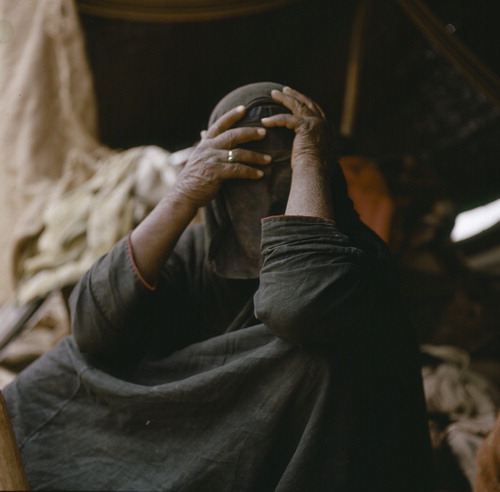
(313, 135)
(312, 154)
(207, 168)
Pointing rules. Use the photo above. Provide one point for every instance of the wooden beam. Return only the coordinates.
(12, 475)
(353, 70)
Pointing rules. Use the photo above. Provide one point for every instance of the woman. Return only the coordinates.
(238, 355)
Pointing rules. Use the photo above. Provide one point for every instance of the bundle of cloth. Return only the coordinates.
(462, 405)
(43, 124)
(82, 222)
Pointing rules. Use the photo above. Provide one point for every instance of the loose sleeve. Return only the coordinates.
(103, 302)
(116, 316)
(315, 285)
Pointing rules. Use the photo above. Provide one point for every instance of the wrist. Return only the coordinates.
(310, 193)
(181, 203)
(311, 167)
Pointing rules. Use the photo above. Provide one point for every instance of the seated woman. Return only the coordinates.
(240, 354)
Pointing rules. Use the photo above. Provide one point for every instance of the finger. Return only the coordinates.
(227, 120)
(312, 105)
(245, 156)
(239, 171)
(290, 121)
(235, 136)
(203, 134)
(296, 106)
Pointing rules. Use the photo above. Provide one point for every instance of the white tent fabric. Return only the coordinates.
(48, 113)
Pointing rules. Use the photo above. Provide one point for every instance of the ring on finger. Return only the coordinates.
(230, 157)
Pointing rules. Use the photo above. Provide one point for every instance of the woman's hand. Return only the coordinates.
(155, 237)
(208, 165)
(312, 154)
(312, 145)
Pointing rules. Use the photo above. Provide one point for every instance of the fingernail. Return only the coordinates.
(261, 131)
(260, 173)
(240, 108)
(265, 119)
(268, 158)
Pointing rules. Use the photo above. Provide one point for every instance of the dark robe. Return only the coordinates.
(313, 385)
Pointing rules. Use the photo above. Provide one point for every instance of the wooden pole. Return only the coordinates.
(12, 476)
(353, 70)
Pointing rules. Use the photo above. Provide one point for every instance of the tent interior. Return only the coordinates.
(413, 89)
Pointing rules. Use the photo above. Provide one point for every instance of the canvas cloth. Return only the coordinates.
(48, 111)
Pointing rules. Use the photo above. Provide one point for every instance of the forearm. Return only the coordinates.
(156, 236)
(310, 192)
(200, 180)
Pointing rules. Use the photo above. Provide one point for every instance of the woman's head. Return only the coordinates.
(242, 204)
(234, 216)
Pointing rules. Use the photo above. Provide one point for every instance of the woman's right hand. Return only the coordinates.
(208, 165)
(199, 181)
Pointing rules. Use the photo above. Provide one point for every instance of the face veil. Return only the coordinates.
(233, 218)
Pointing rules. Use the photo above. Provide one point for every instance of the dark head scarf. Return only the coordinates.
(233, 217)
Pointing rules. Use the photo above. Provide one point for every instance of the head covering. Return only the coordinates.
(234, 216)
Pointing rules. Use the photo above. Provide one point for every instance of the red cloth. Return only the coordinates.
(369, 193)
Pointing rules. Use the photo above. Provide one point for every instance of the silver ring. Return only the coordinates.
(230, 157)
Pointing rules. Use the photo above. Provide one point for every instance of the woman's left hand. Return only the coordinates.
(312, 145)
(312, 154)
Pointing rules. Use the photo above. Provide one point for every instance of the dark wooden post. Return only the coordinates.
(12, 476)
